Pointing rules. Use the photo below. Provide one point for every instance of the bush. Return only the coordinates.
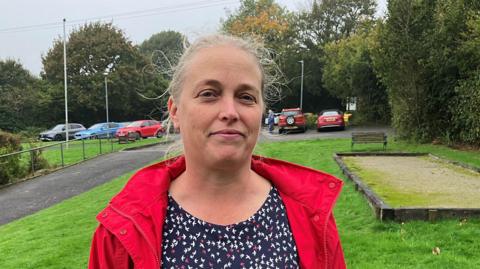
(311, 120)
(466, 111)
(39, 162)
(30, 133)
(10, 167)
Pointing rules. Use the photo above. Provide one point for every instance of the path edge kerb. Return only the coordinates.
(149, 145)
(50, 171)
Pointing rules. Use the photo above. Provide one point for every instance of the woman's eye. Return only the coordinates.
(247, 98)
(207, 94)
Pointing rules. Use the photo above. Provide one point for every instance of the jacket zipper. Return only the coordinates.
(157, 260)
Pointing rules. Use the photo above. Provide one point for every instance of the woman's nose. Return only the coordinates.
(228, 110)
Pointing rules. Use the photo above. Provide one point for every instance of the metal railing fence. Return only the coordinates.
(55, 155)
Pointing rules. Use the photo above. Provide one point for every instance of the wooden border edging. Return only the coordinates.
(383, 211)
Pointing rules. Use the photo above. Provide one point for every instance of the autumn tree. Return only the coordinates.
(262, 19)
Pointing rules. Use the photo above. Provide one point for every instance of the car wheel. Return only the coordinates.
(159, 134)
(58, 137)
(280, 131)
(138, 136)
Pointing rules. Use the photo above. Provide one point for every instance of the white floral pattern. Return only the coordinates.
(262, 241)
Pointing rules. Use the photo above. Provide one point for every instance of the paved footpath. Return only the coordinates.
(30, 196)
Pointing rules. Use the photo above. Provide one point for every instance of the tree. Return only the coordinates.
(465, 107)
(348, 72)
(420, 59)
(399, 56)
(93, 49)
(330, 20)
(262, 19)
(18, 97)
(163, 50)
(325, 21)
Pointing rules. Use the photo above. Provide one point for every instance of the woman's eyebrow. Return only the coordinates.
(212, 82)
(248, 87)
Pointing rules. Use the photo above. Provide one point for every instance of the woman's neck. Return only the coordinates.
(218, 195)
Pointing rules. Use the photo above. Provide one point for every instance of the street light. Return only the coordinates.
(301, 87)
(106, 102)
(65, 80)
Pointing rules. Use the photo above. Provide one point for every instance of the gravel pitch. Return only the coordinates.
(419, 181)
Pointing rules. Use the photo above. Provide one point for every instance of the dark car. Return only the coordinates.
(58, 132)
(291, 119)
(331, 118)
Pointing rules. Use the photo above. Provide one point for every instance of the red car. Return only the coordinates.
(141, 129)
(331, 118)
(291, 119)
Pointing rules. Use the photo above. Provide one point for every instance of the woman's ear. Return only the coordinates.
(172, 110)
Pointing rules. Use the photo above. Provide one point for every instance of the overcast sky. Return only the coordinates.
(139, 19)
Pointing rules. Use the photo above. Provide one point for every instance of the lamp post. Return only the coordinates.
(65, 80)
(106, 102)
(301, 87)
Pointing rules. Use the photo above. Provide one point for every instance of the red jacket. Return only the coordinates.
(130, 230)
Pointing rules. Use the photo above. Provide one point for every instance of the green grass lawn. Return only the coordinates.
(59, 237)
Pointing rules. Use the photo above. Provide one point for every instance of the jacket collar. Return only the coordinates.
(313, 189)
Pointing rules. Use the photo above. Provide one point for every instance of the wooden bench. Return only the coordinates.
(369, 137)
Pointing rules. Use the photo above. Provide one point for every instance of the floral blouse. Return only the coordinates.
(262, 241)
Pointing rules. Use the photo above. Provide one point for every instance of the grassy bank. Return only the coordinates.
(59, 237)
(77, 151)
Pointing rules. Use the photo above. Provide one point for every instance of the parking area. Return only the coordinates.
(265, 136)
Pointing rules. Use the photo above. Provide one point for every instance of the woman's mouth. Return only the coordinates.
(228, 133)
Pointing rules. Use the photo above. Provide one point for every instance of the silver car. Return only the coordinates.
(58, 132)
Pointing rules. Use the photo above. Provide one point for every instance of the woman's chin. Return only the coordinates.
(229, 157)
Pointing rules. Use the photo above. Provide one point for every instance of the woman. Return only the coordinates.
(217, 206)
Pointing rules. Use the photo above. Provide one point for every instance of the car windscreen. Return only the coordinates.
(330, 113)
(290, 113)
(135, 124)
(58, 127)
(96, 126)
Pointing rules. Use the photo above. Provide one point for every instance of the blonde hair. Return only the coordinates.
(269, 70)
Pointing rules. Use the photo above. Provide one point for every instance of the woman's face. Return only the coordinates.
(220, 106)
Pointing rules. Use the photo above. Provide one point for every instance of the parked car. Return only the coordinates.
(141, 129)
(99, 130)
(331, 118)
(58, 132)
(292, 119)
